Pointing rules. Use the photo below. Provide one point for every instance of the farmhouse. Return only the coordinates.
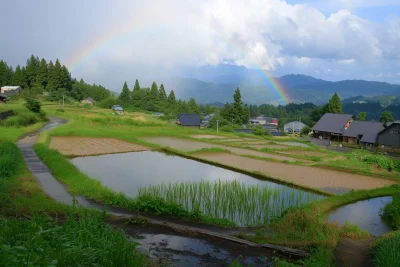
(263, 120)
(3, 99)
(364, 132)
(88, 100)
(389, 137)
(332, 126)
(294, 126)
(10, 90)
(118, 109)
(188, 120)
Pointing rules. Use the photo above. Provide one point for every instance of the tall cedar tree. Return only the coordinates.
(32, 69)
(19, 77)
(125, 95)
(386, 116)
(192, 106)
(42, 75)
(162, 95)
(172, 99)
(334, 105)
(238, 113)
(136, 88)
(5, 74)
(154, 92)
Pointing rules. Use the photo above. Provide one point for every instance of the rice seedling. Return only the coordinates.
(245, 205)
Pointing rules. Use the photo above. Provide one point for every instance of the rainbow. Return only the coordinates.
(91, 47)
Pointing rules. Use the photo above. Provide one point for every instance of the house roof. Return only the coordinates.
(276, 133)
(189, 119)
(90, 99)
(333, 123)
(369, 129)
(10, 87)
(118, 108)
(389, 126)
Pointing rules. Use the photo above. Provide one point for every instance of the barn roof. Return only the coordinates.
(332, 123)
(189, 119)
(11, 87)
(357, 128)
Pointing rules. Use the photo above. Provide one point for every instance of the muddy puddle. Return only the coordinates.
(365, 213)
(175, 250)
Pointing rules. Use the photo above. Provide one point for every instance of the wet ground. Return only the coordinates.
(328, 180)
(84, 146)
(189, 145)
(365, 213)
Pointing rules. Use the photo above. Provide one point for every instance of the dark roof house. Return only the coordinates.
(390, 136)
(188, 120)
(364, 131)
(333, 123)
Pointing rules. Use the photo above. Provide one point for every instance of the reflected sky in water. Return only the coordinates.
(364, 213)
(126, 172)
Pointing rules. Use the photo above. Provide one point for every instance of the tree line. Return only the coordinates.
(39, 76)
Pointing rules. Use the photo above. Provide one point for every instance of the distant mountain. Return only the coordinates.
(218, 83)
(374, 106)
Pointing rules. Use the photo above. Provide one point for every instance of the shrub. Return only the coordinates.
(32, 104)
(88, 106)
(108, 102)
(391, 211)
(10, 157)
(260, 131)
(387, 251)
(22, 119)
(227, 129)
(306, 130)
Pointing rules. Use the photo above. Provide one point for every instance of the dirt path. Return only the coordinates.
(353, 253)
(85, 146)
(189, 145)
(327, 180)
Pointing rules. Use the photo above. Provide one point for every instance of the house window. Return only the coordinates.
(394, 132)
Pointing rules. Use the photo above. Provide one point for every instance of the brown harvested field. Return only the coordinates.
(85, 146)
(190, 145)
(328, 180)
(207, 136)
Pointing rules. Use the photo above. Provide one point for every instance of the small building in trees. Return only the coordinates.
(364, 132)
(3, 99)
(10, 90)
(389, 137)
(294, 126)
(332, 126)
(89, 101)
(118, 109)
(189, 120)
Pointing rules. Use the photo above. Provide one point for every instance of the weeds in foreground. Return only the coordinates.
(391, 212)
(86, 241)
(10, 158)
(386, 250)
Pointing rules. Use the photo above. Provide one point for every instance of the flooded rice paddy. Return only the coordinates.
(365, 213)
(213, 190)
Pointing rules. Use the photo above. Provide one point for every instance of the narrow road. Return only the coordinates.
(227, 251)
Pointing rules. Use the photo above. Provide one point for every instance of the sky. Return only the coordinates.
(108, 42)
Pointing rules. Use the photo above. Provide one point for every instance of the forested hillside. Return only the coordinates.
(39, 76)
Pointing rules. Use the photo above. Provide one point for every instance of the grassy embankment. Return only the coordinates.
(386, 249)
(29, 236)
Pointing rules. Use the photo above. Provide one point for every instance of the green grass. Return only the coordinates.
(391, 211)
(386, 251)
(10, 159)
(86, 241)
(209, 150)
(232, 200)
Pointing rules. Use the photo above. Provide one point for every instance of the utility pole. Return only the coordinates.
(217, 125)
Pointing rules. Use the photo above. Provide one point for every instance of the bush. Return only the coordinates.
(387, 251)
(306, 130)
(380, 160)
(391, 212)
(108, 102)
(88, 106)
(32, 104)
(10, 157)
(227, 129)
(260, 131)
(22, 119)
